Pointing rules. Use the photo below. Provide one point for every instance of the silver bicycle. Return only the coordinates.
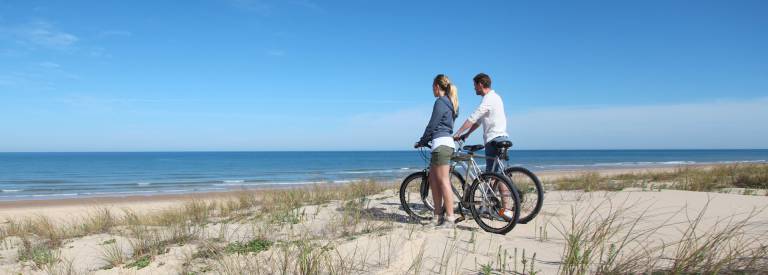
(491, 198)
(528, 185)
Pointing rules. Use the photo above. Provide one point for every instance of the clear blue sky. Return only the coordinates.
(356, 75)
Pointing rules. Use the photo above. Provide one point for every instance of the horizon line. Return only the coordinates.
(376, 150)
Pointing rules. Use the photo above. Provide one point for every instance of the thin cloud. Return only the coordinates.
(49, 65)
(276, 53)
(707, 125)
(717, 124)
(106, 104)
(265, 7)
(36, 76)
(258, 6)
(309, 5)
(8, 80)
(114, 33)
(38, 33)
(98, 52)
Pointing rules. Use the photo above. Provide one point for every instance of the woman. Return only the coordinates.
(439, 133)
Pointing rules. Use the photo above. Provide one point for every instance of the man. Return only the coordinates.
(491, 115)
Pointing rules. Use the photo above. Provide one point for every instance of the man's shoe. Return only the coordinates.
(506, 214)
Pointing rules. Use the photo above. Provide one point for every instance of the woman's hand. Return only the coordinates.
(460, 137)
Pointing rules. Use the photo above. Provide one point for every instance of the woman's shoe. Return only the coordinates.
(450, 221)
(438, 220)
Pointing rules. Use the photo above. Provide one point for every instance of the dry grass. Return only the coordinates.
(753, 176)
(604, 238)
(610, 239)
(63, 267)
(151, 234)
(606, 242)
(112, 254)
(40, 254)
(301, 256)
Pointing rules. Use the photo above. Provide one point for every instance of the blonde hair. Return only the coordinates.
(444, 84)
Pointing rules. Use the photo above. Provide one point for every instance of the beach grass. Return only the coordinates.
(690, 178)
(41, 254)
(606, 239)
(252, 246)
(284, 231)
(112, 254)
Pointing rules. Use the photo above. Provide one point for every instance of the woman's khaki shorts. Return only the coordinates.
(441, 155)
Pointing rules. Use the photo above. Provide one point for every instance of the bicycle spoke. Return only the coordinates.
(412, 197)
(494, 203)
(529, 188)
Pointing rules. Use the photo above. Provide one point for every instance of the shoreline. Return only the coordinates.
(15, 189)
(128, 200)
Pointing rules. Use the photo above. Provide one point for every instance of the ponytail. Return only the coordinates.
(444, 84)
(453, 94)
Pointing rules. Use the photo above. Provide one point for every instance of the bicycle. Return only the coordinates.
(414, 190)
(487, 198)
(527, 183)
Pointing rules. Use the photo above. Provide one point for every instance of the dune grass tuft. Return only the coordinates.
(253, 246)
(615, 241)
(113, 255)
(140, 263)
(39, 253)
(689, 178)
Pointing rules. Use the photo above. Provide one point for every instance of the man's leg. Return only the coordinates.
(490, 155)
(504, 192)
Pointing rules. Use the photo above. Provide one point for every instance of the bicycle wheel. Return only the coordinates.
(530, 190)
(414, 196)
(494, 203)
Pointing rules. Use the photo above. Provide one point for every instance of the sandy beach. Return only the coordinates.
(374, 236)
(141, 203)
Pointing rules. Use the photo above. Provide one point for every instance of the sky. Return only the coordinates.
(252, 75)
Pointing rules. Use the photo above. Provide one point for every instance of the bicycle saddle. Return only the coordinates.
(504, 144)
(474, 148)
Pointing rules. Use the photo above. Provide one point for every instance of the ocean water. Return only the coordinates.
(25, 176)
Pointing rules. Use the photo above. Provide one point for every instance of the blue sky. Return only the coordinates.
(356, 75)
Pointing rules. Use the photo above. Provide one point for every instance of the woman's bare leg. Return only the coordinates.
(434, 186)
(444, 180)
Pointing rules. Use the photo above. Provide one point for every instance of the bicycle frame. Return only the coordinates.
(472, 171)
(463, 156)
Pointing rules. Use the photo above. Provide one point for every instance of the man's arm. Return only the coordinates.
(473, 121)
(474, 127)
(467, 125)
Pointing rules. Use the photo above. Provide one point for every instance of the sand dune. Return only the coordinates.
(375, 236)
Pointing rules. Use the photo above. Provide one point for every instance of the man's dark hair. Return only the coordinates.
(483, 79)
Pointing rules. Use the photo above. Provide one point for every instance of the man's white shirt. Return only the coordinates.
(491, 114)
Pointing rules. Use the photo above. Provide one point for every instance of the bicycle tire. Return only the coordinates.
(425, 192)
(528, 209)
(477, 214)
(419, 179)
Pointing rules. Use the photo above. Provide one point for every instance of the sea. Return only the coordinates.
(33, 176)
